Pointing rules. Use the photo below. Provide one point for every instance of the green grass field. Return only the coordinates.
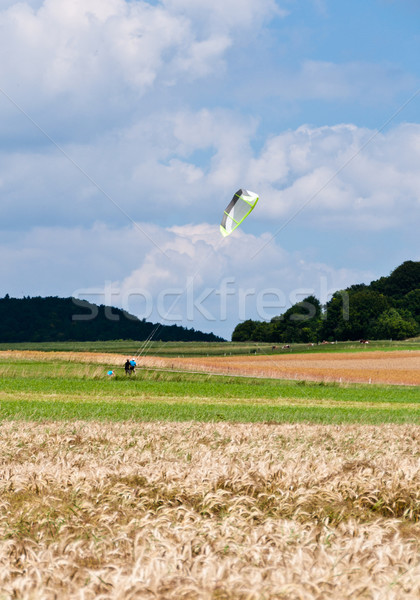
(60, 390)
(133, 347)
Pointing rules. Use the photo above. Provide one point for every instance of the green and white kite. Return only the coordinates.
(241, 205)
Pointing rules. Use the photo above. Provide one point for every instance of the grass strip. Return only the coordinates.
(56, 410)
(281, 401)
(133, 347)
(155, 384)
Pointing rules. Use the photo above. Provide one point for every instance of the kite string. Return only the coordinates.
(146, 346)
(143, 350)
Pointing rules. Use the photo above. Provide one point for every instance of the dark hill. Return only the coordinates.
(55, 319)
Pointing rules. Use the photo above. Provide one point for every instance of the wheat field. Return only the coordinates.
(209, 511)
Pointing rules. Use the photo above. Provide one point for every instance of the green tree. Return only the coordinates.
(411, 302)
(335, 317)
(396, 325)
(243, 332)
(300, 323)
(262, 332)
(352, 316)
(402, 280)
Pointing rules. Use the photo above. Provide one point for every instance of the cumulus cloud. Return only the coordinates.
(66, 47)
(342, 175)
(98, 58)
(211, 284)
(154, 159)
(189, 164)
(201, 280)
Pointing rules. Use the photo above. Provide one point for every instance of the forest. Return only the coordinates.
(54, 319)
(388, 308)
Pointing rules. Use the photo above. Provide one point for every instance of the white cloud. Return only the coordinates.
(78, 47)
(89, 56)
(203, 56)
(84, 67)
(148, 170)
(210, 282)
(343, 175)
(202, 281)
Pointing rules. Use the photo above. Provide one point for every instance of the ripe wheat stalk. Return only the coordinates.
(209, 511)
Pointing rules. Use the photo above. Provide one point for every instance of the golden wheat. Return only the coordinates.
(209, 511)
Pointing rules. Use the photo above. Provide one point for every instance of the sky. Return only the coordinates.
(127, 126)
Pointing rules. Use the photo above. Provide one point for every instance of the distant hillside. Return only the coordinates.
(55, 319)
(388, 308)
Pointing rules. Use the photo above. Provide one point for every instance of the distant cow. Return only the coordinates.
(286, 347)
(364, 341)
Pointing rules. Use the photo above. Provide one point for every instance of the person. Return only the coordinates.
(127, 367)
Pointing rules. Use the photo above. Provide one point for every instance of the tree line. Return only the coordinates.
(54, 319)
(388, 308)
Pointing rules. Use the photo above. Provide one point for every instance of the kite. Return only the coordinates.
(242, 203)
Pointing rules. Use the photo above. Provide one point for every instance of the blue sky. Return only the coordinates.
(125, 128)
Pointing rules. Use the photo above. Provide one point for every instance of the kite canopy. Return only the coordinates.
(242, 203)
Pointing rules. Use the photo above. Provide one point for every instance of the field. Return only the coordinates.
(207, 486)
(177, 349)
(209, 511)
(373, 367)
(36, 385)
